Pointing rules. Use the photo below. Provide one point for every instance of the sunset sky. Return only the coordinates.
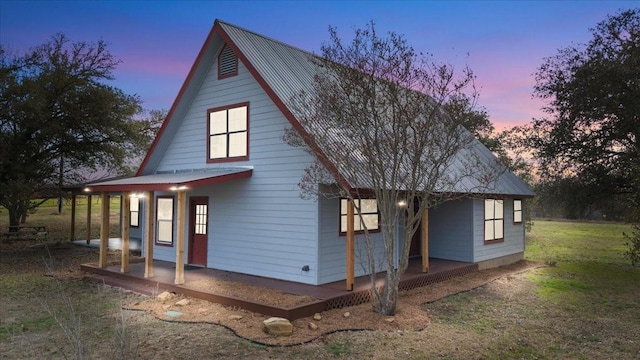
(503, 42)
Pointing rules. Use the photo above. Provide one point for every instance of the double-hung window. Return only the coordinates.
(228, 129)
(164, 221)
(370, 215)
(517, 211)
(493, 220)
(134, 211)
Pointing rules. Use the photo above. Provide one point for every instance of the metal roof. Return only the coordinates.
(288, 71)
(171, 181)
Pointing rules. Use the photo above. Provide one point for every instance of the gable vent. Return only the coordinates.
(227, 63)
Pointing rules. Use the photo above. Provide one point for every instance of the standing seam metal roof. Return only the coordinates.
(289, 71)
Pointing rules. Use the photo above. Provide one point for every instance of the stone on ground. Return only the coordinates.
(277, 326)
(164, 296)
(183, 302)
(317, 317)
(313, 326)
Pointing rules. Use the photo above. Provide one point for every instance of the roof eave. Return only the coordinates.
(168, 186)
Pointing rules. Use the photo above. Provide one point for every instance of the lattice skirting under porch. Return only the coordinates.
(364, 296)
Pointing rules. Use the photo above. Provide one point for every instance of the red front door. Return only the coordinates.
(199, 210)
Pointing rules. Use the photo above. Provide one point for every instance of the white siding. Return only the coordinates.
(333, 248)
(451, 230)
(513, 234)
(259, 225)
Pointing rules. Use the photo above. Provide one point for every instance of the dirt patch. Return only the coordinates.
(244, 291)
(409, 317)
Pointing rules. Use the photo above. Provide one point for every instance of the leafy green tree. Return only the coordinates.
(593, 124)
(476, 121)
(592, 127)
(60, 120)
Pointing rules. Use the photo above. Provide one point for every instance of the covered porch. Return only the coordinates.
(144, 187)
(327, 297)
(180, 184)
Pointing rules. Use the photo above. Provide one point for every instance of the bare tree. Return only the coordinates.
(376, 120)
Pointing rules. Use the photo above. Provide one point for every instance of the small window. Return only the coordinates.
(493, 220)
(200, 222)
(228, 133)
(517, 211)
(370, 215)
(134, 212)
(227, 63)
(164, 221)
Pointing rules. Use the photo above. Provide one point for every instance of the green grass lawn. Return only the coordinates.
(58, 225)
(568, 241)
(584, 305)
(590, 275)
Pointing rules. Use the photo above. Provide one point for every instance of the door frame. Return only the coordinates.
(193, 200)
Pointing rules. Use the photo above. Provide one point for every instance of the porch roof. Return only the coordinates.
(171, 181)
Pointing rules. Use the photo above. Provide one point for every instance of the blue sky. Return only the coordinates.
(503, 42)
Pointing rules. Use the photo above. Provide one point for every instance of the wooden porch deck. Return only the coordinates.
(329, 296)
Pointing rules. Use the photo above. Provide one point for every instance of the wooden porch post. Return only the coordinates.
(104, 230)
(72, 231)
(125, 215)
(88, 219)
(120, 217)
(148, 239)
(350, 246)
(425, 240)
(182, 196)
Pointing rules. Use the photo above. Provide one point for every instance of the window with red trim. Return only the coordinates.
(517, 211)
(228, 130)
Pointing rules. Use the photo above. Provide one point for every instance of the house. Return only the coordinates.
(219, 185)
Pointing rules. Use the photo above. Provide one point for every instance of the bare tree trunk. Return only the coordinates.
(17, 214)
(60, 176)
(389, 298)
(14, 219)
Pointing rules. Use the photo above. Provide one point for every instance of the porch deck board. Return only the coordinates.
(330, 296)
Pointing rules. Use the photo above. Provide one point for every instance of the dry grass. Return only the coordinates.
(584, 307)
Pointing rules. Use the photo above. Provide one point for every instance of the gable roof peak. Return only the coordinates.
(226, 26)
